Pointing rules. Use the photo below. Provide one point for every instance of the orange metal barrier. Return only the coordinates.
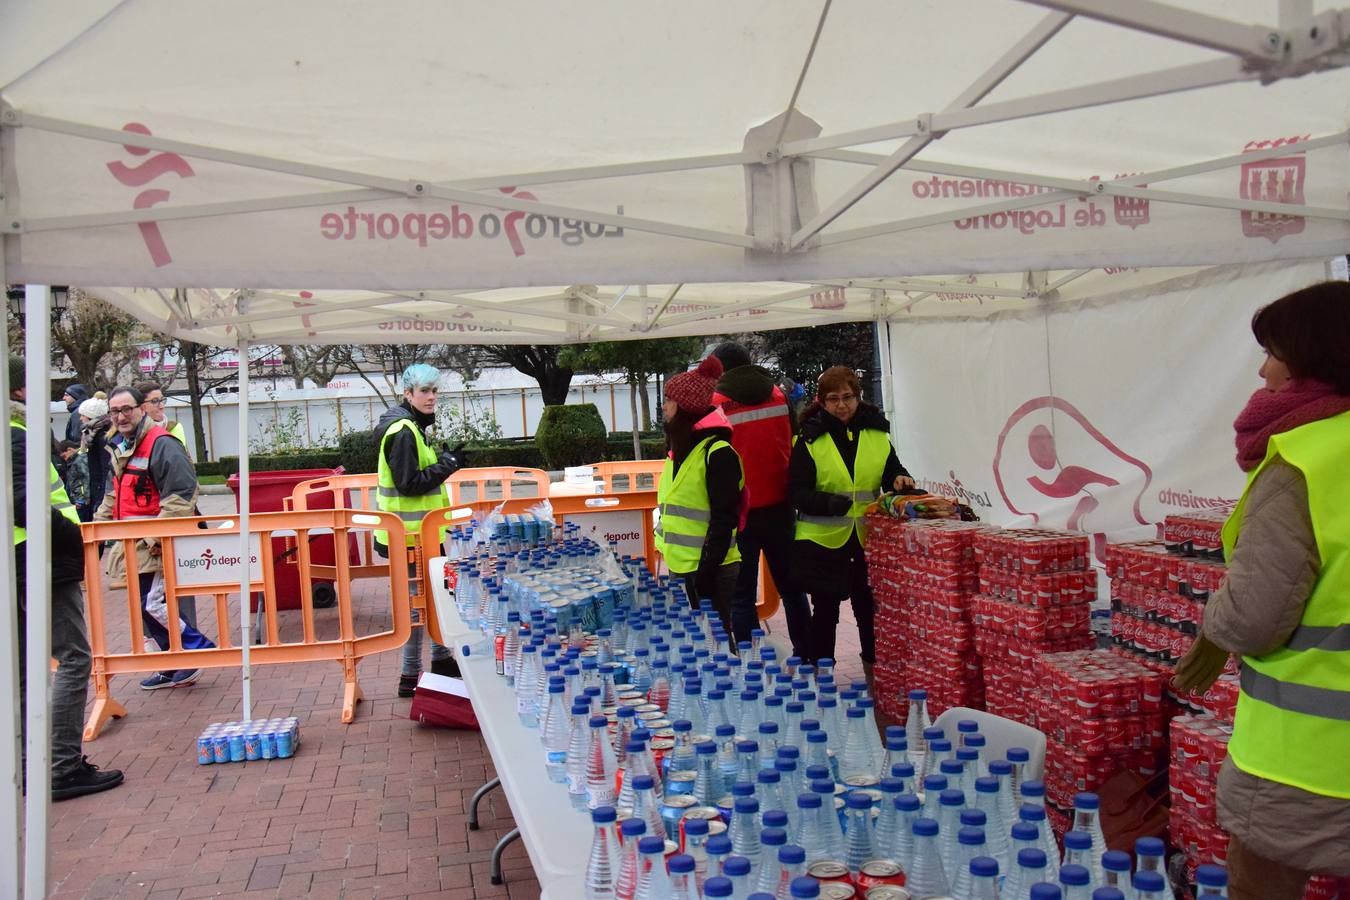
(207, 564)
(498, 483)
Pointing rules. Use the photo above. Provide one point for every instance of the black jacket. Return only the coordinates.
(67, 554)
(81, 394)
(96, 434)
(400, 452)
(817, 424)
(723, 480)
(751, 385)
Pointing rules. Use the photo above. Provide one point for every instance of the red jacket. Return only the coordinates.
(137, 495)
(762, 434)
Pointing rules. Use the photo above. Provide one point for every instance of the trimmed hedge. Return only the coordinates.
(618, 449)
(359, 451)
(213, 467)
(571, 435)
(323, 458)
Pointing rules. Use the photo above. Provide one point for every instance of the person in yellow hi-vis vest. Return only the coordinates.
(1284, 792)
(841, 462)
(412, 476)
(700, 494)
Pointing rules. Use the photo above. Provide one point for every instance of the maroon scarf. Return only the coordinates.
(1267, 413)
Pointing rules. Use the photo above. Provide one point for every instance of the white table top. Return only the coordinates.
(556, 836)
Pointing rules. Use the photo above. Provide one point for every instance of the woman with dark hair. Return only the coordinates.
(842, 461)
(1284, 793)
(700, 491)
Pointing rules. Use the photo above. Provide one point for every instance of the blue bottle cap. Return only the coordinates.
(1076, 876)
(859, 800)
(1077, 840)
(1018, 754)
(633, 827)
(855, 712)
(634, 747)
(705, 748)
(975, 740)
(725, 730)
(718, 844)
(952, 797)
(1046, 891)
(768, 728)
(924, 827)
(816, 737)
(940, 745)
(934, 783)
(1211, 875)
(903, 770)
(681, 863)
(987, 784)
(1147, 881)
(1107, 893)
(736, 866)
(804, 887)
(775, 818)
(1149, 846)
(717, 886)
(791, 854)
(599, 722)
(1030, 812)
(696, 827)
(743, 789)
(975, 818)
(643, 783)
(970, 837)
(747, 805)
(891, 785)
(768, 776)
(1000, 767)
(1031, 858)
(952, 768)
(1025, 831)
(747, 746)
(652, 844)
(682, 725)
(790, 752)
(823, 786)
(1086, 800)
(964, 755)
(1116, 861)
(918, 695)
(908, 803)
(603, 815)
(815, 773)
(968, 726)
(984, 867)
(933, 733)
(808, 801)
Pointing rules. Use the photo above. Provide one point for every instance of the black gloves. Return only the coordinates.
(839, 504)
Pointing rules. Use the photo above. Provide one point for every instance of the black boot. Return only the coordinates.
(407, 685)
(86, 779)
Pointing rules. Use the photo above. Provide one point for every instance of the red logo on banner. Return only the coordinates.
(1278, 180)
(1096, 467)
(1131, 211)
(831, 299)
(137, 176)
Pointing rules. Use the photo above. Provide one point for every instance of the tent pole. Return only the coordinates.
(11, 800)
(246, 567)
(37, 302)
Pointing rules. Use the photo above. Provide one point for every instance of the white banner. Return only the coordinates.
(624, 527)
(214, 559)
(1102, 419)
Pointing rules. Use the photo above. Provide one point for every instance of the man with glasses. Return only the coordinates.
(154, 408)
(151, 477)
(72, 774)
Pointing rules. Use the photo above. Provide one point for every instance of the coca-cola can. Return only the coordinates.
(887, 892)
(878, 873)
(837, 890)
(829, 870)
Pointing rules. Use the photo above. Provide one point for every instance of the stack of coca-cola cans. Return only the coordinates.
(924, 577)
(1199, 747)
(1035, 596)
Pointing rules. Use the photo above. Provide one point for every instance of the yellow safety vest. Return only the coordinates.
(1293, 712)
(60, 500)
(682, 498)
(176, 430)
(832, 476)
(411, 508)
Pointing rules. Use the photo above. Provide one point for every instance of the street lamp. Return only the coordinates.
(60, 302)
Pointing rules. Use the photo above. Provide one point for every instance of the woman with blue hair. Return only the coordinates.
(412, 478)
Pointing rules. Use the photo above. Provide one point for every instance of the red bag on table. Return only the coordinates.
(442, 702)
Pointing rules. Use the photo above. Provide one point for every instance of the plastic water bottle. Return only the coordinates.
(961, 771)
(718, 848)
(683, 885)
(804, 887)
(1035, 816)
(1150, 885)
(1033, 792)
(896, 750)
(737, 869)
(905, 772)
(726, 754)
(525, 685)
(1046, 891)
(1149, 857)
(916, 721)
(1076, 882)
(771, 837)
(907, 806)
(977, 742)
(970, 844)
(601, 766)
(555, 733)
(659, 692)
(1078, 852)
(776, 874)
(1022, 836)
(1019, 757)
(1116, 870)
(744, 829)
(511, 647)
(858, 759)
(811, 832)
(926, 876)
(1087, 817)
(769, 787)
(1211, 882)
(829, 817)
(578, 753)
(987, 799)
(950, 803)
(1007, 805)
(602, 865)
(1108, 893)
(888, 817)
(708, 785)
(983, 879)
(933, 786)
(817, 750)
(630, 866)
(642, 762)
(646, 807)
(767, 738)
(860, 844)
(874, 746)
(653, 883)
(747, 760)
(1029, 870)
(695, 844)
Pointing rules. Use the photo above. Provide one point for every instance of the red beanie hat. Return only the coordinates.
(692, 391)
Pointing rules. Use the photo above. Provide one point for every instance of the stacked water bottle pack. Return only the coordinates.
(1036, 596)
(924, 576)
(225, 742)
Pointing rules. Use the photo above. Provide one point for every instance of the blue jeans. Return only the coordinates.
(192, 638)
(412, 651)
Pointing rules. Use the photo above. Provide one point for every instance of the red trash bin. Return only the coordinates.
(268, 491)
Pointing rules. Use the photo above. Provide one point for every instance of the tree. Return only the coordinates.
(638, 361)
(380, 365)
(803, 353)
(319, 364)
(92, 333)
(539, 361)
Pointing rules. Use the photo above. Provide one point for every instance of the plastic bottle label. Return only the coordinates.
(499, 650)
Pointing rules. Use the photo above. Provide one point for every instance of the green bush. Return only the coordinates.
(522, 454)
(278, 462)
(618, 449)
(213, 467)
(359, 451)
(571, 435)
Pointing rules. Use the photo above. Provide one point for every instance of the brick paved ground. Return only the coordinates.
(372, 809)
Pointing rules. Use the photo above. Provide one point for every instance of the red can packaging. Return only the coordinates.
(877, 872)
(829, 870)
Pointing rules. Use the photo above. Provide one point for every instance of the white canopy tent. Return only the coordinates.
(426, 171)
